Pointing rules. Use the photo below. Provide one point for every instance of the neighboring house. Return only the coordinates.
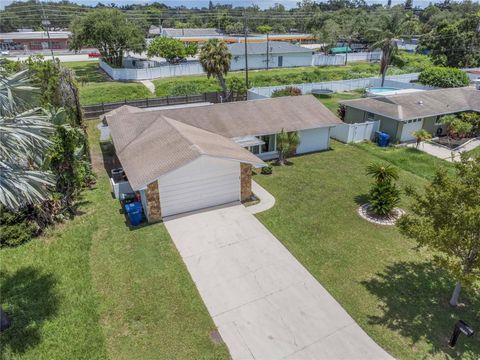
(185, 159)
(34, 40)
(192, 35)
(400, 115)
(280, 54)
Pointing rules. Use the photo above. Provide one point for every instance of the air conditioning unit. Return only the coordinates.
(477, 83)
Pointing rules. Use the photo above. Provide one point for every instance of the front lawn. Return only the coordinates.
(94, 289)
(393, 291)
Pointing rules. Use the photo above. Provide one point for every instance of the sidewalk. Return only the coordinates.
(444, 153)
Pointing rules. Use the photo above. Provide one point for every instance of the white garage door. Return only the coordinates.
(410, 126)
(203, 183)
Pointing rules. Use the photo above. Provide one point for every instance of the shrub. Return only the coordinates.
(443, 77)
(267, 170)
(184, 88)
(288, 91)
(16, 228)
(384, 195)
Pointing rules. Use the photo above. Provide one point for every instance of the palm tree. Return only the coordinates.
(387, 35)
(215, 59)
(24, 139)
(421, 135)
(382, 173)
(286, 144)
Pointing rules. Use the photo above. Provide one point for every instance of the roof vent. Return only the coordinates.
(420, 102)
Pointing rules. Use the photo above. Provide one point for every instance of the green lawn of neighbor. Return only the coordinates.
(94, 289)
(333, 100)
(406, 158)
(96, 87)
(392, 290)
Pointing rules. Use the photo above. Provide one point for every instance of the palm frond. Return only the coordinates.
(16, 93)
(19, 187)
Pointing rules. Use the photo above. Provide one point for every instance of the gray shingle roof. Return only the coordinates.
(190, 32)
(153, 146)
(256, 117)
(420, 104)
(260, 48)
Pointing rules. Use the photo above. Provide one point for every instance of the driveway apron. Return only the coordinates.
(265, 304)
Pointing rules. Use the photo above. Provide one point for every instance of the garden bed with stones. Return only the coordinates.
(365, 212)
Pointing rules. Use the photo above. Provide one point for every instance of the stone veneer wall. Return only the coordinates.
(245, 181)
(153, 202)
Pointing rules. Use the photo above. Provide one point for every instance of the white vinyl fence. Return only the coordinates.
(399, 81)
(348, 133)
(339, 59)
(167, 70)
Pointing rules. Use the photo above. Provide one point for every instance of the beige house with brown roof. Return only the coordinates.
(185, 159)
(402, 114)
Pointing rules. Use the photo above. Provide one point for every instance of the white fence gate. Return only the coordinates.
(348, 133)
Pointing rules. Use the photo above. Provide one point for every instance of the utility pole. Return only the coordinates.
(268, 48)
(246, 48)
(46, 23)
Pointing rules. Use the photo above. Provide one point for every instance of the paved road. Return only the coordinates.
(265, 304)
(442, 152)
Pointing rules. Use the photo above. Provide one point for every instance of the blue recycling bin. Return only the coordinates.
(383, 139)
(134, 212)
(133, 206)
(135, 217)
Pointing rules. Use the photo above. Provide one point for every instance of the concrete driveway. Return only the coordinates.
(265, 304)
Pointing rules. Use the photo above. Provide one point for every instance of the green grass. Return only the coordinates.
(110, 91)
(393, 291)
(93, 288)
(96, 87)
(332, 101)
(406, 158)
(104, 90)
(87, 71)
(475, 152)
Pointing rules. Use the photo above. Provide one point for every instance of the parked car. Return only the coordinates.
(94, 55)
(5, 52)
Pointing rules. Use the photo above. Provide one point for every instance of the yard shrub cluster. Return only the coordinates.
(288, 91)
(267, 170)
(443, 77)
(16, 228)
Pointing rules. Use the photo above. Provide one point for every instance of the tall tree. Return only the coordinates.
(215, 59)
(446, 218)
(386, 39)
(110, 32)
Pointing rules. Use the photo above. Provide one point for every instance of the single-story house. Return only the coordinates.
(402, 114)
(280, 54)
(185, 159)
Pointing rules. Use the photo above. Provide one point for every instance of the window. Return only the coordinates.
(370, 116)
(255, 149)
(269, 141)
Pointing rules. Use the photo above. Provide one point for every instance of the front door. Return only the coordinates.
(280, 61)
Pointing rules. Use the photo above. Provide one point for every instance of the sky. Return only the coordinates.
(204, 3)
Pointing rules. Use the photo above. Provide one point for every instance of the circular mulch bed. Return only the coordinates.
(364, 212)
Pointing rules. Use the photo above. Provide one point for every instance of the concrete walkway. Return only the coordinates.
(442, 152)
(265, 304)
(266, 199)
(149, 85)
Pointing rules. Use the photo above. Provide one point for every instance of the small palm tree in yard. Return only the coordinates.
(384, 194)
(215, 59)
(286, 144)
(421, 135)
